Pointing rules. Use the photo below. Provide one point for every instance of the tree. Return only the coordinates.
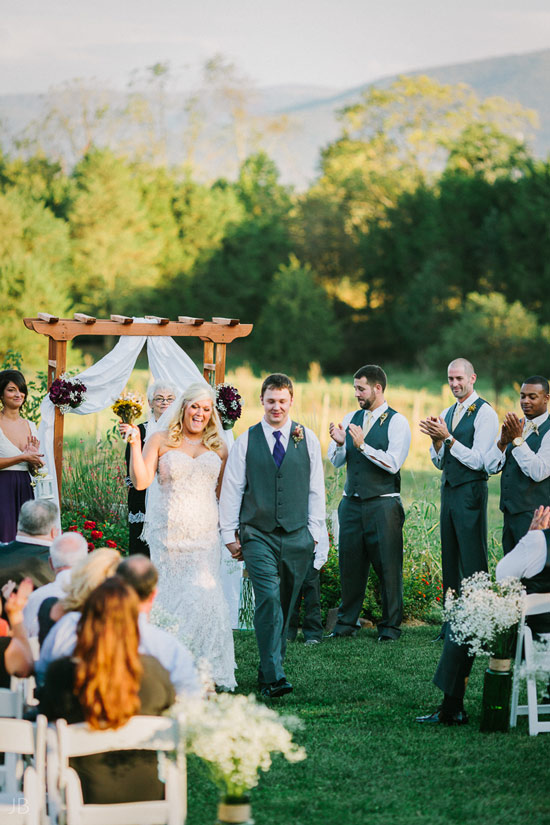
(503, 340)
(297, 324)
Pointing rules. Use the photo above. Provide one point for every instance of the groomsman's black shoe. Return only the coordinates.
(441, 635)
(276, 689)
(442, 717)
(386, 639)
(334, 635)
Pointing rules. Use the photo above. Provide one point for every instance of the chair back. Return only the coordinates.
(533, 604)
(24, 800)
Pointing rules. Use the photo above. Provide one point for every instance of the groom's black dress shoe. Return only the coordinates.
(442, 717)
(334, 635)
(276, 689)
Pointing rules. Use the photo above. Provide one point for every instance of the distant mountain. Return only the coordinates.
(310, 110)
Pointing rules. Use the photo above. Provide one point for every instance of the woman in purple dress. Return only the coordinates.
(19, 452)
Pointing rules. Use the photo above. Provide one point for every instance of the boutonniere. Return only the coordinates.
(383, 418)
(297, 434)
(471, 409)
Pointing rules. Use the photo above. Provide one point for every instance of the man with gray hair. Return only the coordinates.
(67, 550)
(28, 555)
(461, 436)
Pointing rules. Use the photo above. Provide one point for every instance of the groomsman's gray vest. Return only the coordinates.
(454, 472)
(540, 583)
(518, 492)
(275, 496)
(365, 479)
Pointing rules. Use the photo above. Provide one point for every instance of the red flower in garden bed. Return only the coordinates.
(97, 534)
(89, 525)
(111, 543)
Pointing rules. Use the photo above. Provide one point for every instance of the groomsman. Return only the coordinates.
(373, 443)
(272, 516)
(528, 561)
(522, 454)
(461, 436)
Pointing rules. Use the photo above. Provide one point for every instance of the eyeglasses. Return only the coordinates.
(159, 399)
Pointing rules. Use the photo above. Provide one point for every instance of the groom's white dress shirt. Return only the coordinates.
(234, 483)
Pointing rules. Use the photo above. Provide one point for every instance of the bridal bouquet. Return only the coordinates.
(128, 407)
(229, 405)
(485, 615)
(67, 393)
(235, 736)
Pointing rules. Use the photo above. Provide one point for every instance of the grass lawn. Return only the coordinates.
(368, 761)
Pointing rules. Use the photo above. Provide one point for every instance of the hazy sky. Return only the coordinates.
(336, 43)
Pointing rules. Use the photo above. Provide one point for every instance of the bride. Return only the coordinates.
(181, 526)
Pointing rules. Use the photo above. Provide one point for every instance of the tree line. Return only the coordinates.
(424, 234)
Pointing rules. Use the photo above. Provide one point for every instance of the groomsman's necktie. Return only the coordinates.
(278, 449)
(456, 415)
(528, 428)
(367, 422)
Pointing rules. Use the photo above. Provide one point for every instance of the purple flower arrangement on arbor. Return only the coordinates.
(67, 393)
(228, 404)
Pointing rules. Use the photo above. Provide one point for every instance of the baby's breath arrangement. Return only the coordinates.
(486, 613)
(235, 736)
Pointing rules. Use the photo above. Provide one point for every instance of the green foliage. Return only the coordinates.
(500, 338)
(97, 533)
(37, 387)
(297, 324)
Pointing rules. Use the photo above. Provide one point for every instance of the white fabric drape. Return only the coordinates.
(105, 381)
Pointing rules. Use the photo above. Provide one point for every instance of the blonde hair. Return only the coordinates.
(211, 434)
(89, 574)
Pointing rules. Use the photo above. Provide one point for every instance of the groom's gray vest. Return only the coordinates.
(518, 492)
(275, 496)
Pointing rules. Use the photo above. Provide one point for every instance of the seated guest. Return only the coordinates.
(105, 683)
(141, 574)
(66, 551)
(86, 576)
(28, 555)
(16, 657)
(528, 561)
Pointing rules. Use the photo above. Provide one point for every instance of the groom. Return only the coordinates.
(272, 512)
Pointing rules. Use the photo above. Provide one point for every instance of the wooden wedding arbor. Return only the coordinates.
(215, 334)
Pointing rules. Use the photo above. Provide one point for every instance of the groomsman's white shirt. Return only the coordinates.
(390, 460)
(534, 465)
(526, 559)
(234, 483)
(485, 434)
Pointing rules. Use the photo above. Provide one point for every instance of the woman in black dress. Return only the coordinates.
(105, 683)
(159, 395)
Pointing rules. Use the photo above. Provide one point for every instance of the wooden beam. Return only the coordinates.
(226, 322)
(49, 319)
(122, 319)
(208, 367)
(84, 319)
(220, 363)
(57, 364)
(161, 321)
(67, 329)
(188, 319)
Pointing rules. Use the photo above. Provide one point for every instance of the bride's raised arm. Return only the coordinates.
(143, 465)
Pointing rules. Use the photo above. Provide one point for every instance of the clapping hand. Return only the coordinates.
(435, 427)
(541, 519)
(512, 427)
(31, 453)
(16, 599)
(337, 433)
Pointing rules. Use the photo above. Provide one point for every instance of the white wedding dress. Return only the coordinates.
(181, 530)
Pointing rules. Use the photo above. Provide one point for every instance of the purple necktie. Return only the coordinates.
(278, 449)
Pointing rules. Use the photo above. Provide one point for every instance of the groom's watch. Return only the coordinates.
(518, 441)
(449, 440)
(362, 447)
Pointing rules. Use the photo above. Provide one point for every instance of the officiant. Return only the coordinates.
(160, 396)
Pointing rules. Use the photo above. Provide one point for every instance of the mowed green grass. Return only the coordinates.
(369, 762)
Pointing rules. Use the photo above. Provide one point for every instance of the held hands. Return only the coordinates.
(235, 548)
(337, 433)
(129, 433)
(541, 519)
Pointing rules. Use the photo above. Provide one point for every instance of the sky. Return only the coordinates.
(330, 43)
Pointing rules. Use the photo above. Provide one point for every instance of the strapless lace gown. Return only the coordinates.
(182, 533)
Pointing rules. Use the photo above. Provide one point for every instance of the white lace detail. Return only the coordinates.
(136, 518)
(181, 530)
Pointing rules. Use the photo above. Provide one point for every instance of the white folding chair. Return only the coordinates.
(156, 733)
(532, 605)
(11, 707)
(25, 802)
